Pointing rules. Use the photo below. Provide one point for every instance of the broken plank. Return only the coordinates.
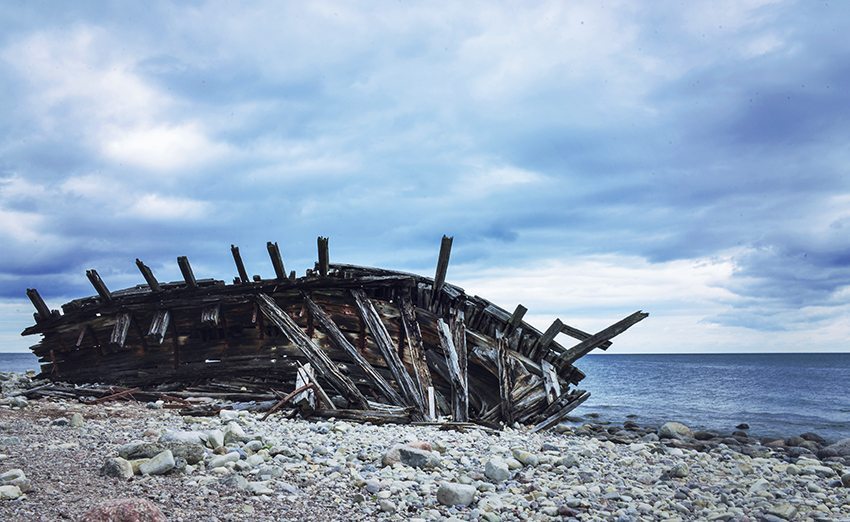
(312, 352)
(277, 260)
(460, 394)
(99, 285)
(240, 266)
(186, 270)
(153, 284)
(516, 318)
(550, 381)
(159, 326)
(209, 315)
(382, 339)
(541, 347)
(339, 340)
(415, 345)
(505, 380)
(582, 348)
(42, 310)
(560, 414)
(324, 256)
(442, 268)
(119, 331)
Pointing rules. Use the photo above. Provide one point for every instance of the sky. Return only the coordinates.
(590, 159)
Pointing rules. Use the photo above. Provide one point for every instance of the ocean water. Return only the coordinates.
(776, 394)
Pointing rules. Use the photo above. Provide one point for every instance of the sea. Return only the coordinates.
(776, 394)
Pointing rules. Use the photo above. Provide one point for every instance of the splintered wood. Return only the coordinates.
(349, 342)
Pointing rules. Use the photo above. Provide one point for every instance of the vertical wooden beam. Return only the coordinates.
(550, 381)
(209, 315)
(42, 311)
(240, 267)
(460, 393)
(148, 275)
(516, 318)
(505, 380)
(442, 268)
(277, 261)
(324, 256)
(99, 285)
(186, 270)
(415, 345)
(119, 331)
(159, 326)
(382, 338)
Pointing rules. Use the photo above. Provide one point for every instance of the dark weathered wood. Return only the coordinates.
(119, 331)
(186, 270)
(209, 315)
(240, 266)
(42, 310)
(560, 414)
(582, 348)
(279, 404)
(327, 325)
(277, 260)
(324, 256)
(415, 345)
(516, 318)
(99, 285)
(550, 381)
(505, 380)
(371, 416)
(575, 333)
(460, 394)
(542, 345)
(159, 326)
(311, 351)
(382, 339)
(442, 267)
(147, 273)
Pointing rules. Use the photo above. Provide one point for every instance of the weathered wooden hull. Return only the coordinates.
(371, 336)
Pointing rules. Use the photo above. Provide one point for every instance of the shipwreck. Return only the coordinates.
(341, 341)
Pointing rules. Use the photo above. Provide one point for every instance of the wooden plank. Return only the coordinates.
(304, 380)
(147, 273)
(119, 331)
(338, 339)
(159, 326)
(560, 414)
(575, 333)
(582, 348)
(312, 352)
(460, 394)
(277, 260)
(42, 310)
(550, 381)
(186, 270)
(516, 318)
(240, 266)
(415, 345)
(99, 285)
(210, 315)
(324, 256)
(505, 380)
(382, 339)
(541, 347)
(442, 268)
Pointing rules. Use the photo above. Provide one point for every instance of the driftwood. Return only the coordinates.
(368, 344)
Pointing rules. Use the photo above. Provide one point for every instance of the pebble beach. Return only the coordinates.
(63, 460)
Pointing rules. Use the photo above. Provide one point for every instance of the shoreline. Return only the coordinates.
(237, 467)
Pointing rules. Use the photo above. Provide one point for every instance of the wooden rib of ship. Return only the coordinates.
(359, 342)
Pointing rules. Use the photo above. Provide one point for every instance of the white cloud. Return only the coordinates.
(162, 147)
(155, 207)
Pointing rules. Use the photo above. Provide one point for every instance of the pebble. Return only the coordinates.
(497, 470)
(160, 464)
(454, 494)
(77, 420)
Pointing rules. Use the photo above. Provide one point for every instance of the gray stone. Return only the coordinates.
(418, 458)
(117, 467)
(783, 510)
(193, 437)
(59, 422)
(234, 482)
(386, 506)
(674, 430)
(525, 457)
(454, 494)
(840, 448)
(18, 402)
(160, 464)
(215, 439)
(259, 488)
(191, 452)
(77, 420)
(235, 433)
(10, 492)
(221, 460)
(497, 470)
(568, 461)
(140, 450)
(845, 480)
(759, 486)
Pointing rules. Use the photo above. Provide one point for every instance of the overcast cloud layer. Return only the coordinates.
(590, 159)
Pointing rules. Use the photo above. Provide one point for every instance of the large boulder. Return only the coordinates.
(159, 465)
(674, 430)
(125, 510)
(191, 452)
(117, 467)
(140, 450)
(192, 437)
(840, 448)
(416, 454)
